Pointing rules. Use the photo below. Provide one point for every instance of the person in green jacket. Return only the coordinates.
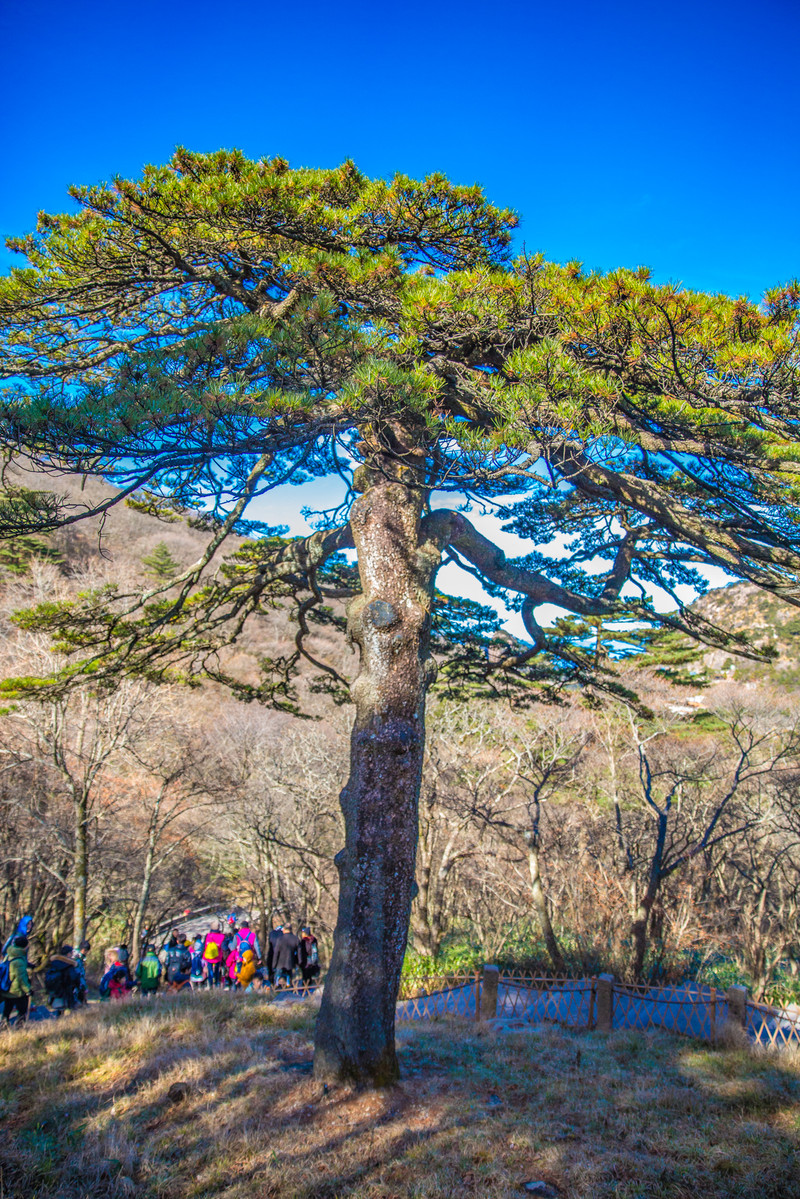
(18, 996)
(148, 972)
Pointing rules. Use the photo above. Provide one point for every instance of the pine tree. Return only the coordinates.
(220, 327)
(20, 510)
(161, 563)
(16, 553)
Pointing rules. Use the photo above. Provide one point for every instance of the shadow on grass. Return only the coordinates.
(86, 1112)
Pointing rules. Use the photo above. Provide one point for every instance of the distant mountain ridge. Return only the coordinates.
(768, 622)
(117, 550)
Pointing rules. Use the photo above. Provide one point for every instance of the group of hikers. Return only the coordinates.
(64, 979)
(228, 955)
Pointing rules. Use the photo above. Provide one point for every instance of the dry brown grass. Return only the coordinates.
(85, 1111)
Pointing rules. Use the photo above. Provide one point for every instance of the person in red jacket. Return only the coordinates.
(118, 980)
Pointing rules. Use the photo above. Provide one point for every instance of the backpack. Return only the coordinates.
(243, 942)
(5, 975)
(197, 964)
(313, 955)
(179, 961)
(57, 981)
(211, 951)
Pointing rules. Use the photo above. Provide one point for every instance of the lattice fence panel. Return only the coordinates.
(539, 999)
(687, 1012)
(426, 998)
(773, 1027)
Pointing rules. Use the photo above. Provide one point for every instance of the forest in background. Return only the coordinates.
(656, 839)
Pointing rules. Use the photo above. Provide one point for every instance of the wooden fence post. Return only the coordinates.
(737, 1005)
(491, 981)
(605, 1002)
(592, 993)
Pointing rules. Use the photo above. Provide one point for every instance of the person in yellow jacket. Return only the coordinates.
(247, 970)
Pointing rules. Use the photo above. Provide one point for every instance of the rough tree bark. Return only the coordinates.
(390, 624)
(264, 921)
(147, 879)
(656, 874)
(428, 926)
(542, 911)
(431, 907)
(80, 874)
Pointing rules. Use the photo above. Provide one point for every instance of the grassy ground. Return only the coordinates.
(85, 1110)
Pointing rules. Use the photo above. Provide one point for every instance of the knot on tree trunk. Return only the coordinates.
(381, 614)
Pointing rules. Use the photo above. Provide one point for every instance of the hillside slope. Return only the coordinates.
(768, 622)
(211, 1095)
(112, 550)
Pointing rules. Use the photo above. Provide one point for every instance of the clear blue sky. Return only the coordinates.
(623, 133)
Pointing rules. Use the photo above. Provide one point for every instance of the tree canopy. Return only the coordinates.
(224, 326)
(220, 327)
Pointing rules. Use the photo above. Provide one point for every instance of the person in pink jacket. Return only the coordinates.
(230, 968)
(212, 954)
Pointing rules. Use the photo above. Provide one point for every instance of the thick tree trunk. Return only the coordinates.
(390, 623)
(542, 913)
